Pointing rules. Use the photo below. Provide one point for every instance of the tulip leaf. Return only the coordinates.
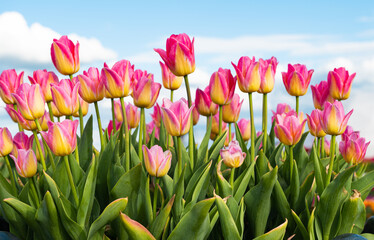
(262, 164)
(258, 143)
(306, 187)
(228, 225)
(111, 212)
(167, 185)
(317, 171)
(197, 184)
(295, 186)
(160, 222)
(353, 215)
(134, 157)
(275, 156)
(195, 224)
(240, 218)
(203, 148)
(258, 202)
(179, 192)
(134, 229)
(241, 183)
(300, 155)
(242, 144)
(85, 145)
(281, 204)
(271, 138)
(311, 226)
(128, 184)
(224, 188)
(216, 147)
(300, 225)
(364, 184)
(275, 234)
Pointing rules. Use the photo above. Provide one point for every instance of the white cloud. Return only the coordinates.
(31, 43)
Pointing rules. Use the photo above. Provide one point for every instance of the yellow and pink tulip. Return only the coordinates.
(9, 83)
(244, 126)
(297, 79)
(233, 156)
(231, 111)
(44, 79)
(222, 86)
(118, 80)
(156, 161)
(204, 105)
(91, 87)
(177, 117)
(314, 123)
(6, 142)
(169, 80)
(289, 128)
(26, 163)
(321, 94)
(248, 74)
(333, 120)
(267, 72)
(340, 83)
(65, 97)
(353, 148)
(65, 55)
(146, 92)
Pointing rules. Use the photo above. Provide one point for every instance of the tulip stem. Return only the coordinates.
(179, 156)
(113, 117)
(171, 95)
(80, 111)
(264, 121)
(208, 121)
(39, 147)
(71, 181)
(220, 121)
(291, 163)
(322, 147)
(50, 111)
(11, 176)
(332, 151)
(19, 125)
(253, 130)
(140, 152)
(232, 179)
(190, 136)
(99, 125)
(127, 137)
(34, 192)
(297, 105)
(188, 90)
(318, 145)
(229, 132)
(155, 198)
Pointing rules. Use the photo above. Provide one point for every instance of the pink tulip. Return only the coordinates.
(244, 126)
(55, 111)
(61, 137)
(25, 124)
(340, 83)
(6, 142)
(26, 163)
(156, 161)
(233, 156)
(133, 115)
(176, 116)
(169, 80)
(11, 114)
(118, 80)
(333, 120)
(146, 92)
(267, 71)
(350, 133)
(231, 111)
(179, 55)
(248, 74)
(314, 124)
(195, 116)
(21, 141)
(156, 115)
(204, 105)
(326, 147)
(281, 108)
(65, 55)
(289, 128)
(91, 87)
(110, 127)
(353, 148)
(44, 79)
(222, 86)
(297, 79)
(65, 96)
(9, 83)
(215, 125)
(321, 94)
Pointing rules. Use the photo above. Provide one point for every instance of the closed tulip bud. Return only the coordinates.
(44, 79)
(244, 126)
(61, 137)
(215, 125)
(350, 133)
(204, 105)
(195, 116)
(11, 114)
(179, 56)
(282, 108)
(9, 83)
(222, 86)
(157, 162)
(333, 120)
(169, 80)
(91, 85)
(84, 108)
(26, 163)
(314, 124)
(146, 92)
(289, 128)
(118, 80)
(6, 142)
(340, 83)
(177, 117)
(297, 79)
(65, 55)
(233, 156)
(156, 115)
(30, 101)
(353, 148)
(321, 94)
(267, 71)
(133, 115)
(65, 97)
(231, 111)
(248, 74)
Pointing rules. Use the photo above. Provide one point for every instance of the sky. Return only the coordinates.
(323, 35)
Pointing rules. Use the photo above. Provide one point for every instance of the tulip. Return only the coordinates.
(204, 105)
(267, 72)
(233, 156)
(55, 111)
(24, 123)
(61, 137)
(333, 120)
(353, 149)
(195, 116)
(146, 92)
(326, 147)
(21, 141)
(44, 79)
(176, 117)
(26, 163)
(65, 55)
(157, 162)
(179, 56)
(91, 85)
(248, 74)
(289, 128)
(156, 115)
(118, 80)
(9, 83)
(169, 80)
(321, 94)
(13, 116)
(133, 115)
(340, 83)
(231, 111)
(6, 142)
(215, 125)
(65, 97)
(43, 121)
(314, 124)
(30, 101)
(244, 126)
(281, 108)
(110, 127)
(349, 133)
(228, 139)
(84, 108)
(297, 79)
(222, 86)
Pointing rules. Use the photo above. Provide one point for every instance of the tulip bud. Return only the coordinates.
(215, 125)
(91, 87)
(65, 55)
(314, 123)
(248, 74)
(156, 116)
(9, 83)
(340, 83)
(289, 128)
(6, 142)
(267, 72)
(146, 92)
(157, 163)
(244, 126)
(233, 156)
(26, 163)
(297, 79)
(204, 105)
(169, 80)
(65, 97)
(133, 115)
(321, 94)
(353, 148)
(282, 108)
(118, 80)
(333, 120)
(222, 86)
(176, 116)
(44, 79)
(195, 116)
(150, 127)
(231, 111)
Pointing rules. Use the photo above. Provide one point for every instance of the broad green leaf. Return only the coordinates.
(300, 154)
(128, 184)
(194, 181)
(168, 186)
(364, 184)
(85, 145)
(300, 225)
(311, 226)
(275, 156)
(179, 192)
(281, 204)
(192, 196)
(240, 218)
(160, 222)
(368, 236)
(308, 186)
(295, 186)
(241, 183)
(228, 225)
(353, 215)
(224, 187)
(275, 234)
(258, 143)
(262, 164)
(135, 230)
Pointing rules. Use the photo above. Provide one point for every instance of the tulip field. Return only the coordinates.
(144, 182)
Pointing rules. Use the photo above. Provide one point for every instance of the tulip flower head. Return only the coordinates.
(11, 114)
(21, 141)
(91, 87)
(176, 116)
(321, 94)
(248, 74)
(297, 79)
(350, 133)
(6, 142)
(179, 56)
(133, 115)
(9, 83)
(282, 108)
(289, 128)
(25, 124)
(26, 163)
(195, 116)
(118, 81)
(65, 96)
(233, 156)
(222, 86)
(146, 92)
(65, 55)
(268, 69)
(231, 111)
(353, 148)
(340, 83)
(169, 80)
(110, 127)
(204, 105)
(314, 124)
(156, 115)
(157, 162)
(244, 126)
(326, 147)
(215, 125)
(333, 120)
(44, 79)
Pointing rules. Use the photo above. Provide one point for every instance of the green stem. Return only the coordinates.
(232, 178)
(99, 125)
(71, 181)
(220, 121)
(208, 121)
(11, 176)
(50, 155)
(113, 117)
(264, 121)
(323, 153)
(179, 156)
(19, 125)
(190, 135)
(229, 132)
(318, 144)
(39, 147)
(171, 95)
(58, 119)
(127, 137)
(297, 105)
(155, 198)
(50, 111)
(80, 111)
(332, 155)
(188, 90)
(34, 192)
(253, 130)
(291, 163)
(140, 150)
(169, 138)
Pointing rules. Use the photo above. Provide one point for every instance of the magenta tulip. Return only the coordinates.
(9, 83)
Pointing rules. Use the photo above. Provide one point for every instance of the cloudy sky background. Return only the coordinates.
(323, 35)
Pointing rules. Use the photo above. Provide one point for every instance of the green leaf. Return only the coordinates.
(275, 156)
(224, 188)
(368, 236)
(160, 222)
(128, 184)
(364, 184)
(85, 145)
(228, 225)
(240, 218)
(281, 204)
(300, 154)
(311, 226)
(262, 164)
(242, 144)
(300, 225)
(135, 230)
(179, 192)
(25, 210)
(195, 224)
(193, 194)
(216, 147)
(258, 143)
(305, 188)
(111, 212)
(317, 171)
(203, 148)
(275, 234)
(241, 183)
(295, 186)
(258, 202)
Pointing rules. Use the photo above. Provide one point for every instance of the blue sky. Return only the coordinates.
(321, 34)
